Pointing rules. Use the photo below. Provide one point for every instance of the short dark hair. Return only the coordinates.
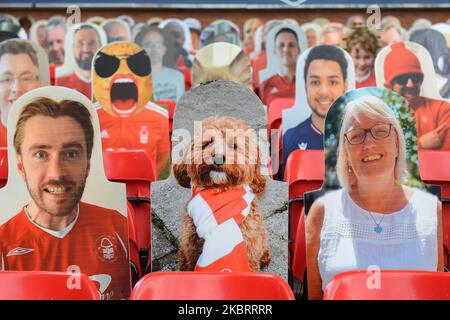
(50, 108)
(286, 30)
(18, 46)
(325, 52)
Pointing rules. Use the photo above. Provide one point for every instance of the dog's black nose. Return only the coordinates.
(219, 159)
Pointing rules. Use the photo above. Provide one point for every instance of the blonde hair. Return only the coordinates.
(371, 107)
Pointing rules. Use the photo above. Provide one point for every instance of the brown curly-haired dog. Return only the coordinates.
(223, 154)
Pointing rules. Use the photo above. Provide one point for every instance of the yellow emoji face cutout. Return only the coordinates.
(122, 78)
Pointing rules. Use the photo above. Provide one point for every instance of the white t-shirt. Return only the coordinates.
(168, 84)
(349, 241)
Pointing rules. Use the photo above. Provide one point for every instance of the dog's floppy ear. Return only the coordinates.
(181, 174)
(258, 183)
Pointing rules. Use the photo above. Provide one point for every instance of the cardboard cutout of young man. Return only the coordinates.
(221, 122)
(407, 69)
(324, 73)
(122, 86)
(23, 67)
(82, 42)
(284, 44)
(59, 212)
(373, 210)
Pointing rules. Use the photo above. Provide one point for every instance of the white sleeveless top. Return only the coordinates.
(348, 241)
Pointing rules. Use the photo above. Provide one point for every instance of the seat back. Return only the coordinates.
(3, 166)
(304, 172)
(170, 108)
(389, 285)
(133, 167)
(187, 76)
(137, 170)
(43, 285)
(211, 286)
(275, 113)
(434, 168)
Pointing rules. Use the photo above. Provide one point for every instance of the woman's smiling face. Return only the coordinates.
(374, 156)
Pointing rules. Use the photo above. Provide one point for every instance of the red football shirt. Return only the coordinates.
(147, 130)
(73, 82)
(276, 87)
(97, 245)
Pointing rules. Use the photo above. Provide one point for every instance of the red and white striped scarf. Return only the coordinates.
(217, 215)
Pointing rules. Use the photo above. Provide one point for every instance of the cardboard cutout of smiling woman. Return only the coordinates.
(23, 67)
(220, 31)
(226, 214)
(407, 68)
(284, 43)
(372, 212)
(82, 42)
(323, 74)
(58, 211)
(221, 61)
(122, 86)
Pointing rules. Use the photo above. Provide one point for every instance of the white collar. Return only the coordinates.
(58, 234)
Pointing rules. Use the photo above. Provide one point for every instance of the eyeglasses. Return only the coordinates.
(105, 65)
(26, 79)
(403, 79)
(153, 44)
(378, 132)
(116, 39)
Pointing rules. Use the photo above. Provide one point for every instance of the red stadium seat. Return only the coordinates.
(211, 286)
(137, 170)
(275, 112)
(170, 108)
(393, 285)
(434, 167)
(304, 172)
(43, 285)
(187, 77)
(3, 167)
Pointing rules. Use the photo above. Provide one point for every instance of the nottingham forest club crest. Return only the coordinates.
(106, 248)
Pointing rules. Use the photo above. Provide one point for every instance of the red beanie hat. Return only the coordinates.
(400, 61)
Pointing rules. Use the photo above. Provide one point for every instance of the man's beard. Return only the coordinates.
(69, 206)
(85, 64)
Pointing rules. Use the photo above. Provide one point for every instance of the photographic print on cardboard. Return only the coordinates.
(374, 208)
(59, 212)
(221, 61)
(407, 68)
(220, 106)
(122, 85)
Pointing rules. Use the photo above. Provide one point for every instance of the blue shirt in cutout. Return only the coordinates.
(304, 136)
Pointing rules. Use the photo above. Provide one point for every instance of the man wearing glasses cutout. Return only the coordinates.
(404, 75)
(19, 73)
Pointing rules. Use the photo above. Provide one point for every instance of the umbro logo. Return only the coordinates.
(19, 251)
(104, 134)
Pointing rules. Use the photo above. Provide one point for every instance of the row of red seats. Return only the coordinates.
(384, 285)
(41, 285)
(304, 173)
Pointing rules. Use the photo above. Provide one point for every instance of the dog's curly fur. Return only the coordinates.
(196, 167)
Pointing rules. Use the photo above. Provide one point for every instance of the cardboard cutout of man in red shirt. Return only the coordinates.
(122, 85)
